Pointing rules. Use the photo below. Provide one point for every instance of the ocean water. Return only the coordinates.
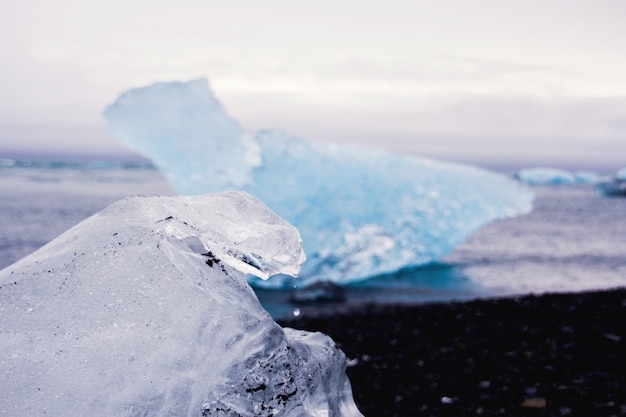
(42, 199)
(573, 240)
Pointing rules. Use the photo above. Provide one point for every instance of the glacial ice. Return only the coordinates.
(545, 176)
(612, 186)
(554, 176)
(585, 177)
(360, 212)
(122, 315)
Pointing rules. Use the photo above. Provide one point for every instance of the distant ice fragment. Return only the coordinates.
(555, 176)
(545, 176)
(319, 292)
(585, 177)
(612, 186)
(360, 212)
(122, 316)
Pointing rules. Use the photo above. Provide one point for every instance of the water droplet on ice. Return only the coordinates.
(296, 312)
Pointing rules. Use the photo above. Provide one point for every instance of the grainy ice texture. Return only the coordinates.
(144, 310)
(549, 355)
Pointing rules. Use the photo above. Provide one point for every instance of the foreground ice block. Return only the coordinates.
(123, 315)
(360, 212)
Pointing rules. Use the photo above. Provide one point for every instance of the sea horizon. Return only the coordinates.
(508, 165)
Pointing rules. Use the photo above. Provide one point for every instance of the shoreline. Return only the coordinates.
(556, 354)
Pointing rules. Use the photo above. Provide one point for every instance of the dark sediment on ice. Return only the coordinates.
(548, 355)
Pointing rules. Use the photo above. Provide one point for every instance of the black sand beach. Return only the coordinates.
(548, 355)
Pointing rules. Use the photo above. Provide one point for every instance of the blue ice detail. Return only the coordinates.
(360, 212)
(555, 176)
(612, 186)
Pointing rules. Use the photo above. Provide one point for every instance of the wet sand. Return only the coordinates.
(548, 355)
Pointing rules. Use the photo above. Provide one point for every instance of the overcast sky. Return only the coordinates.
(536, 81)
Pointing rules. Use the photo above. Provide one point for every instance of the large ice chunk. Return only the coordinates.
(123, 315)
(360, 212)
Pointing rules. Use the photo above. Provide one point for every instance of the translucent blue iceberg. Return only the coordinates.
(360, 212)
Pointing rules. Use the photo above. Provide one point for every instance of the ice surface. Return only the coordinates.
(555, 176)
(612, 186)
(546, 176)
(123, 316)
(360, 212)
(585, 177)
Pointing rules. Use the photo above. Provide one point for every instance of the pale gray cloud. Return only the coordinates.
(484, 76)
